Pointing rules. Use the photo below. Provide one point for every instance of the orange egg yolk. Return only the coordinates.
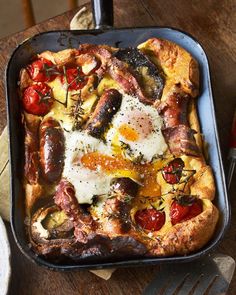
(149, 187)
(147, 172)
(95, 160)
(128, 132)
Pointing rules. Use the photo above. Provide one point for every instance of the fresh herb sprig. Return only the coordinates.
(50, 70)
(44, 98)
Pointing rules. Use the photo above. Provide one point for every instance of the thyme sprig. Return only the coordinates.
(77, 79)
(128, 153)
(77, 113)
(43, 98)
(127, 199)
(50, 70)
(186, 178)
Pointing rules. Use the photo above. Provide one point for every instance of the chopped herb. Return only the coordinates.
(128, 199)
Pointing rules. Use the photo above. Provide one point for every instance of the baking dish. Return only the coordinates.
(59, 40)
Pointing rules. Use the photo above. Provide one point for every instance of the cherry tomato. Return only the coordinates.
(172, 172)
(74, 78)
(180, 213)
(42, 70)
(150, 219)
(37, 99)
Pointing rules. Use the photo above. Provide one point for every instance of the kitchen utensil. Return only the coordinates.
(209, 275)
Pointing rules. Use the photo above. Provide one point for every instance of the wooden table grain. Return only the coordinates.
(212, 23)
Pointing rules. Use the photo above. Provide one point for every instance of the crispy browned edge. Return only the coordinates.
(179, 67)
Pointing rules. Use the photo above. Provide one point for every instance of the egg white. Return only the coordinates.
(87, 182)
(148, 147)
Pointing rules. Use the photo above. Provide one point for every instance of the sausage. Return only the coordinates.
(117, 208)
(124, 186)
(66, 200)
(52, 149)
(107, 106)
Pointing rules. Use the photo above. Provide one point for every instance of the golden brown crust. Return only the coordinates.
(25, 79)
(178, 65)
(33, 192)
(190, 235)
(203, 185)
(60, 58)
(194, 123)
(181, 75)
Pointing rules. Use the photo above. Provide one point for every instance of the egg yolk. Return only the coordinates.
(135, 126)
(149, 187)
(128, 132)
(144, 173)
(95, 160)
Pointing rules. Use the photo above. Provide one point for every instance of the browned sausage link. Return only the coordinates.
(31, 167)
(124, 187)
(52, 149)
(108, 105)
(66, 200)
(117, 208)
(174, 110)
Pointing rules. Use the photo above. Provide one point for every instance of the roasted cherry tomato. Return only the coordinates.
(42, 70)
(172, 172)
(150, 219)
(75, 79)
(37, 99)
(180, 212)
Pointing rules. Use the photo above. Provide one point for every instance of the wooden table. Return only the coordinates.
(212, 22)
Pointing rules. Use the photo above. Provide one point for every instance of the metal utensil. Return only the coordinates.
(210, 275)
(232, 152)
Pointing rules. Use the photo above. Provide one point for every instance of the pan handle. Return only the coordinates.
(102, 13)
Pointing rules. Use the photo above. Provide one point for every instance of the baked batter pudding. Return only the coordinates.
(114, 163)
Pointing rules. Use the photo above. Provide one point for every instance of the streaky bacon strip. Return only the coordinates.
(100, 52)
(181, 140)
(120, 72)
(66, 200)
(174, 109)
(177, 133)
(117, 69)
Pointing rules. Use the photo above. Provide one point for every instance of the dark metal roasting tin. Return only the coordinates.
(125, 37)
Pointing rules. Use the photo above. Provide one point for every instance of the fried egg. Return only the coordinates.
(136, 131)
(90, 167)
(87, 182)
